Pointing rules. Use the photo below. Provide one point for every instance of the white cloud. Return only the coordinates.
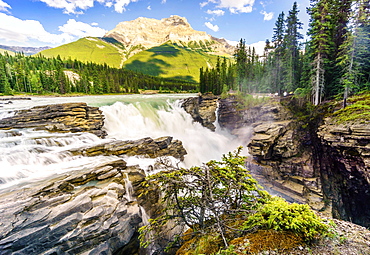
(149, 8)
(94, 24)
(163, 1)
(237, 6)
(202, 4)
(18, 32)
(80, 29)
(267, 15)
(216, 12)
(214, 28)
(70, 6)
(78, 6)
(234, 6)
(4, 6)
(109, 4)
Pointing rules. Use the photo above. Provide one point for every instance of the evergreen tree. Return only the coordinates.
(292, 56)
(321, 43)
(241, 67)
(277, 60)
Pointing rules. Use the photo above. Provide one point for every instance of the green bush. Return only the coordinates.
(280, 215)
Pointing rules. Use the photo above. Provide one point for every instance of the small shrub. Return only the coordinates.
(279, 215)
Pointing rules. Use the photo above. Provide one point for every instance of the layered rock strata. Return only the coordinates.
(148, 147)
(81, 212)
(344, 161)
(283, 149)
(68, 117)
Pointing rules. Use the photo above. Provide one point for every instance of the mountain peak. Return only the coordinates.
(148, 33)
(175, 20)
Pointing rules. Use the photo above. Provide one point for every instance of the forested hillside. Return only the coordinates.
(335, 60)
(41, 75)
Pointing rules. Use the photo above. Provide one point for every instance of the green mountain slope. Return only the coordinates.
(11, 53)
(171, 61)
(89, 49)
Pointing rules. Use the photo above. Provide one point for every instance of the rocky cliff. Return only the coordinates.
(301, 157)
(344, 161)
(148, 33)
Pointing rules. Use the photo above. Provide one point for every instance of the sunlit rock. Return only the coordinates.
(68, 117)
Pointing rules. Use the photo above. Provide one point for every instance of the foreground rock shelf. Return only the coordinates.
(89, 212)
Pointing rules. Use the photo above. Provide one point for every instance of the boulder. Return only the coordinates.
(68, 117)
(79, 212)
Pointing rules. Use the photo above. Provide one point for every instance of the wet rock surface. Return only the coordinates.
(68, 117)
(81, 212)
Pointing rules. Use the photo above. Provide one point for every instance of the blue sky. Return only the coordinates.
(55, 22)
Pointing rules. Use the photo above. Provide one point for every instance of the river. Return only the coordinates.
(28, 155)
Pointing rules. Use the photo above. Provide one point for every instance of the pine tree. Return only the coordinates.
(241, 67)
(321, 44)
(277, 60)
(292, 56)
(355, 51)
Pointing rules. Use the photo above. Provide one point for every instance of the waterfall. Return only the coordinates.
(135, 121)
(28, 155)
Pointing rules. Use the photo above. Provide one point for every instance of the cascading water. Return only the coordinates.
(135, 121)
(28, 155)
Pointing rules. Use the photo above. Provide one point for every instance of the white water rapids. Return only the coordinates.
(27, 155)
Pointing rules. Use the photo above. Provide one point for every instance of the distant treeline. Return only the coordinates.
(41, 75)
(334, 61)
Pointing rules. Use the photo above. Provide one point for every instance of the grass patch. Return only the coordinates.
(357, 110)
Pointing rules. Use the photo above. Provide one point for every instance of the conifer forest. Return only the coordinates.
(334, 60)
(40, 75)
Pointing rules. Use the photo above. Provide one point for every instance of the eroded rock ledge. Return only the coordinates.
(68, 117)
(152, 148)
(89, 212)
